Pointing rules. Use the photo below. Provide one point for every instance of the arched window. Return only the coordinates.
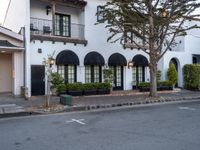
(67, 62)
(93, 67)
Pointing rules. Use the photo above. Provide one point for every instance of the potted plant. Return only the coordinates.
(61, 89)
(108, 80)
(144, 86)
(89, 89)
(103, 88)
(172, 74)
(74, 89)
(166, 85)
(57, 84)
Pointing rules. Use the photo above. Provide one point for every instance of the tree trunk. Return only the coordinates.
(153, 80)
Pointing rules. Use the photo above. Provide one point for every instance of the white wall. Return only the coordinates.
(18, 73)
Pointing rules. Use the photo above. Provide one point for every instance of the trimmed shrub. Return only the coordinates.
(103, 85)
(74, 86)
(192, 76)
(89, 86)
(172, 74)
(144, 84)
(165, 83)
(61, 88)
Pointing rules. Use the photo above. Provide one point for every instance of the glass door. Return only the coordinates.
(117, 77)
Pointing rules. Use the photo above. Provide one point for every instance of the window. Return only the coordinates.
(194, 60)
(62, 25)
(68, 73)
(92, 74)
(87, 74)
(138, 75)
(134, 76)
(100, 16)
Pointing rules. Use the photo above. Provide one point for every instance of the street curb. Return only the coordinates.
(102, 106)
(117, 105)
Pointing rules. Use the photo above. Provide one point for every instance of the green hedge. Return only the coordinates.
(103, 85)
(165, 83)
(160, 83)
(87, 86)
(192, 76)
(74, 86)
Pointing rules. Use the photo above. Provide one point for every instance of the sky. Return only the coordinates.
(3, 9)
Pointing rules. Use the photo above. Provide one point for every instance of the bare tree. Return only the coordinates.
(148, 25)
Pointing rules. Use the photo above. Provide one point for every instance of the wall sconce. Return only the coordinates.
(51, 61)
(48, 9)
(130, 64)
(165, 13)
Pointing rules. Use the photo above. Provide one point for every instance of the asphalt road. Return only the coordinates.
(162, 127)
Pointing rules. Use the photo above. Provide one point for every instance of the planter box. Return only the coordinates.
(144, 89)
(66, 100)
(103, 91)
(90, 92)
(61, 93)
(75, 92)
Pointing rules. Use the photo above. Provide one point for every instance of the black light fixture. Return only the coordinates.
(48, 9)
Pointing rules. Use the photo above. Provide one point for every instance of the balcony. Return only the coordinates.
(44, 30)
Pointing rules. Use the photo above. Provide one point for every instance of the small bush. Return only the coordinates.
(160, 83)
(61, 88)
(103, 85)
(74, 86)
(172, 74)
(191, 76)
(89, 86)
(57, 79)
(144, 84)
(165, 83)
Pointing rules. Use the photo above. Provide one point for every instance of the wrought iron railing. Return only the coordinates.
(45, 27)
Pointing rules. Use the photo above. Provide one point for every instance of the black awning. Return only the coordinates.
(67, 57)
(94, 58)
(140, 60)
(117, 60)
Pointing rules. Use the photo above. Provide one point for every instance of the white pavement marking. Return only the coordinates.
(186, 108)
(80, 121)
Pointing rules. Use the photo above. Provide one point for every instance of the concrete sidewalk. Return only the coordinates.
(15, 105)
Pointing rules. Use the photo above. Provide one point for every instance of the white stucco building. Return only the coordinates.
(81, 48)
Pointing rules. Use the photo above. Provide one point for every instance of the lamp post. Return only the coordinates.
(50, 63)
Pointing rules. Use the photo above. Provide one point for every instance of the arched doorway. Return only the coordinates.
(140, 64)
(176, 64)
(117, 62)
(93, 67)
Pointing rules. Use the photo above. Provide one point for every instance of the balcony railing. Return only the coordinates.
(45, 27)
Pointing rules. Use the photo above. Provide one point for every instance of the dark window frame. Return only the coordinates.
(61, 27)
(66, 72)
(92, 73)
